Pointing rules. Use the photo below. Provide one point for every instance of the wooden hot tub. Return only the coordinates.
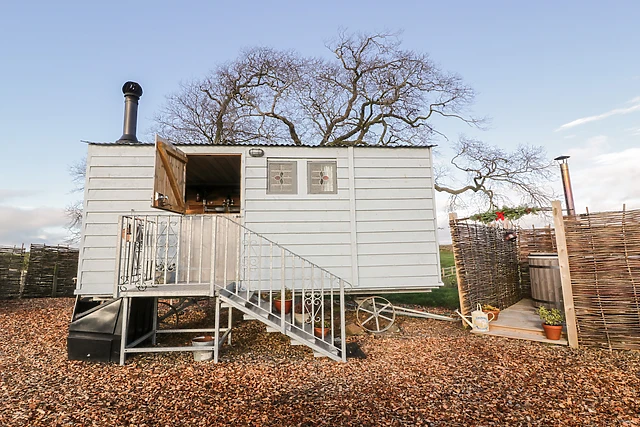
(546, 286)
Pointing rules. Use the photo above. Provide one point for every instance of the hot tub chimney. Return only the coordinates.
(132, 93)
(566, 183)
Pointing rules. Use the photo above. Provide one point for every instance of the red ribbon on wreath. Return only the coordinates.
(500, 215)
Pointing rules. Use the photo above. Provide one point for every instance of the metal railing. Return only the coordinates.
(218, 254)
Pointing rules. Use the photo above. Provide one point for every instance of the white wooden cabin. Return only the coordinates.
(365, 214)
(280, 233)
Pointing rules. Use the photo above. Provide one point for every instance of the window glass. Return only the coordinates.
(322, 177)
(281, 177)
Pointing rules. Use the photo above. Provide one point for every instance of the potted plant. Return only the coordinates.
(551, 322)
(486, 308)
(321, 328)
(288, 300)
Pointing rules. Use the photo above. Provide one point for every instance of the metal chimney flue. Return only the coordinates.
(566, 183)
(132, 93)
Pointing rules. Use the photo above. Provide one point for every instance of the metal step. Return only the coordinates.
(302, 335)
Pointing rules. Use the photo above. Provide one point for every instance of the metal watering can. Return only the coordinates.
(479, 319)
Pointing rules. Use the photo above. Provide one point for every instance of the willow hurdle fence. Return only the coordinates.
(486, 265)
(604, 262)
(12, 259)
(43, 271)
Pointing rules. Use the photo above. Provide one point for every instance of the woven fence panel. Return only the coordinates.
(530, 241)
(11, 265)
(604, 259)
(487, 265)
(51, 271)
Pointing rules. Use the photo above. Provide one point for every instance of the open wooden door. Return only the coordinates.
(170, 177)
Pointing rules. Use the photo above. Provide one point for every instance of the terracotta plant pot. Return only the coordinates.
(552, 332)
(318, 332)
(287, 305)
(494, 312)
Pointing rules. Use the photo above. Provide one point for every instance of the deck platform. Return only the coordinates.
(170, 291)
(520, 321)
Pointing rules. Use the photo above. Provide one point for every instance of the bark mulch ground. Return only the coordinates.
(429, 373)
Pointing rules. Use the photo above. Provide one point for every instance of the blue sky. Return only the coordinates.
(565, 75)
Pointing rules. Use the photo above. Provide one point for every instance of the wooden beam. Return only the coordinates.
(463, 307)
(170, 148)
(565, 275)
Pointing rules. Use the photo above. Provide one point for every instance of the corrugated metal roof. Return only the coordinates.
(258, 145)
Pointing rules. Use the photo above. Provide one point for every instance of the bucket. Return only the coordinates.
(205, 341)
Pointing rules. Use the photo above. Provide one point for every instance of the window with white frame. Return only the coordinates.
(322, 177)
(282, 177)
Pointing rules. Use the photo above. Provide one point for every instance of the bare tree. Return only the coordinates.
(369, 91)
(492, 173)
(73, 211)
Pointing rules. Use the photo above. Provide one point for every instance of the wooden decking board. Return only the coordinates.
(524, 336)
(520, 321)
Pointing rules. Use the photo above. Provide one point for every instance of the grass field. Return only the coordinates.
(446, 296)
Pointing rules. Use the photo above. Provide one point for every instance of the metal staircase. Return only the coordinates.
(215, 256)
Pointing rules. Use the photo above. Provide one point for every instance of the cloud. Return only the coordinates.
(604, 180)
(40, 225)
(635, 106)
(6, 194)
(591, 148)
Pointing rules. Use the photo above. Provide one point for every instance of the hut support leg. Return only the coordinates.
(216, 337)
(123, 335)
(154, 337)
(229, 322)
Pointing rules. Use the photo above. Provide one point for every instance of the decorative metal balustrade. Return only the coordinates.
(213, 255)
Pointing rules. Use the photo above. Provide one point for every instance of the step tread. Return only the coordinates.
(305, 336)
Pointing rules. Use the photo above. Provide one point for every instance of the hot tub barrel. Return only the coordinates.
(546, 285)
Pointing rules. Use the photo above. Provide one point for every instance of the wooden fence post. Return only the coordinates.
(54, 284)
(463, 306)
(565, 275)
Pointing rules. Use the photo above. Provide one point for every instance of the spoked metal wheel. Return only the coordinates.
(167, 316)
(375, 314)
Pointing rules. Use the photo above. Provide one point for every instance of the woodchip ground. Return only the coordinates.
(430, 373)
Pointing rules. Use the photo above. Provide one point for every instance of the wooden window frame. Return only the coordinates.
(334, 178)
(294, 176)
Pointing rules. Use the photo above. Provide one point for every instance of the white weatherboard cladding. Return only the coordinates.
(384, 225)
(119, 179)
(303, 223)
(395, 236)
(395, 215)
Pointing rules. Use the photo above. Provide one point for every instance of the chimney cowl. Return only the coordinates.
(132, 88)
(132, 92)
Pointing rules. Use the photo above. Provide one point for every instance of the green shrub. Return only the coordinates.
(553, 317)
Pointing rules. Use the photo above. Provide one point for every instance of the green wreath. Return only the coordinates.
(504, 213)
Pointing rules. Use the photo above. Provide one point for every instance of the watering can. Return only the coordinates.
(479, 319)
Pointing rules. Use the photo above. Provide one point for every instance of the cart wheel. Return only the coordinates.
(167, 316)
(375, 314)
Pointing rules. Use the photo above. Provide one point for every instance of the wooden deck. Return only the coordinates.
(520, 321)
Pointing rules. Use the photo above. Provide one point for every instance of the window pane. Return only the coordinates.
(322, 177)
(281, 178)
